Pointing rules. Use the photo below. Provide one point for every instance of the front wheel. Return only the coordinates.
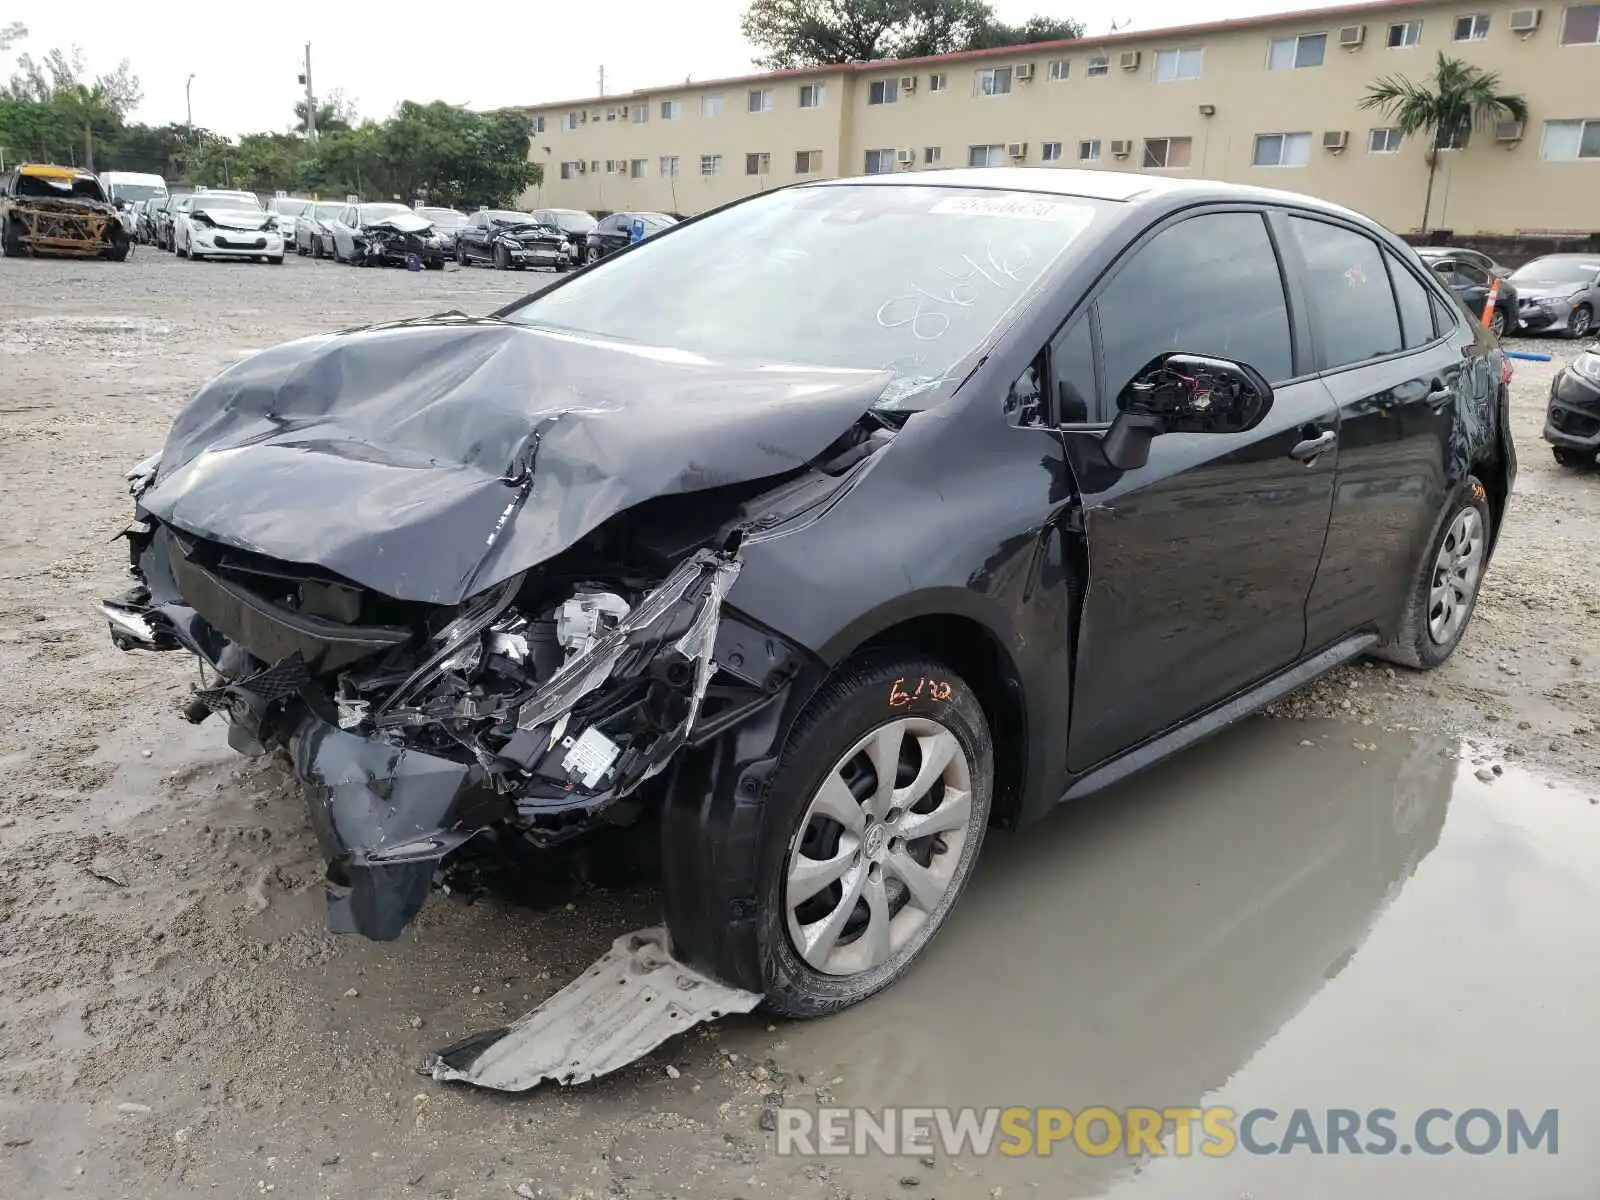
(592, 255)
(1446, 589)
(1567, 457)
(1581, 323)
(1497, 323)
(461, 255)
(871, 827)
(502, 259)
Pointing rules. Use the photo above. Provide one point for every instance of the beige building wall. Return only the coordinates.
(1536, 183)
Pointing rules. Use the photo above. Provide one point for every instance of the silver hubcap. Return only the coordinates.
(1580, 322)
(877, 849)
(1455, 575)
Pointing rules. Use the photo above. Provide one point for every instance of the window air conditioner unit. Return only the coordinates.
(908, 83)
(1351, 37)
(1129, 60)
(1120, 149)
(1508, 131)
(1525, 20)
(904, 158)
(1016, 149)
(1025, 73)
(1335, 139)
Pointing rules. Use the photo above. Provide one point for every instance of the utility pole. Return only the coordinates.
(188, 106)
(311, 98)
(602, 79)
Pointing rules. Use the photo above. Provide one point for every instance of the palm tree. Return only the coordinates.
(1457, 99)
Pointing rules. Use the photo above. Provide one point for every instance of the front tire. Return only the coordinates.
(1446, 589)
(870, 829)
(592, 255)
(1567, 457)
(1497, 323)
(502, 259)
(1581, 323)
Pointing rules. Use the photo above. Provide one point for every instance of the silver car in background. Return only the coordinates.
(311, 234)
(1558, 294)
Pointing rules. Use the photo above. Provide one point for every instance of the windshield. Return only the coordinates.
(571, 222)
(1556, 270)
(507, 217)
(136, 191)
(228, 200)
(290, 208)
(444, 218)
(908, 279)
(379, 212)
(327, 212)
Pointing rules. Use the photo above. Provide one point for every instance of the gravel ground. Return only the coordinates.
(174, 1020)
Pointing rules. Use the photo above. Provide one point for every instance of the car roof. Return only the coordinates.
(1130, 187)
(1578, 257)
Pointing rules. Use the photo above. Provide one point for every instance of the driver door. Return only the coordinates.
(1200, 561)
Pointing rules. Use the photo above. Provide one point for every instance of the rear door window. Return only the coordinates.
(1354, 317)
(1416, 305)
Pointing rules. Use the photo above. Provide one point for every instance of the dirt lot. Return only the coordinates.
(175, 1022)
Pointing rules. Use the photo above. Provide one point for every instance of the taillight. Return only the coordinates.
(1505, 369)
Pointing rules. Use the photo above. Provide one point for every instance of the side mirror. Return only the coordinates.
(1184, 393)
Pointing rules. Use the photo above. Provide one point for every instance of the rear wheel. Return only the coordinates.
(461, 255)
(871, 826)
(1446, 590)
(1497, 323)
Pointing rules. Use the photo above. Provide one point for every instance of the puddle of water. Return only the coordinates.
(1261, 924)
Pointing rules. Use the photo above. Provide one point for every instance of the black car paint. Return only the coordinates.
(476, 241)
(1006, 546)
(1572, 414)
(1472, 285)
(615, 232)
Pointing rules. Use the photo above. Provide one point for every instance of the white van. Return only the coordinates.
(124, 187)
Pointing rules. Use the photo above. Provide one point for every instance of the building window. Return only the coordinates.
(1569, 141)
(594, 166)
(639, 114)
(992, 81)
(883, 91)
(760, 100)
(710, 164)
(637, 168)
(1383, 141)
(1168, 153)
(807, 162)
(671, 110)
(615, 166)
(668, 166)
(938, 81)
(1173, 65)
(1050, 151)
(572, 120)
(1294, 53)
(536, 125)
(758, 164)
(987, 156)
(1581, 25)
(1282, 150)
(571, 170)
(711, 106)
(1059, 69)
(1472, 29)
(1099, 65)
(931, 156)
(1454, 139)
(1089, 151)
(1404, 34)
(810, 95)
(880, 162)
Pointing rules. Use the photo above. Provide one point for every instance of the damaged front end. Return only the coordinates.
(393, 241)
(534, 711)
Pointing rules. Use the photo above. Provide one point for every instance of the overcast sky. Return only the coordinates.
(245, 57)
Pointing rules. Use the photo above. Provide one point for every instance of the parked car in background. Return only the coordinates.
(50, 209)
(1558, 294)
(447, 222)
(384, 235)
(1476, 258)
(510, 240)
(574, 223)
(144, 220)
(616, 231)
(566, 584)
(126, 188)
(1572, 415)
(288, 210)
(164, 213)
(313, 233)
(1471, 283)
(226, 224)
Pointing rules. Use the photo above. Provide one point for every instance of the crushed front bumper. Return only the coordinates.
(1572, 415)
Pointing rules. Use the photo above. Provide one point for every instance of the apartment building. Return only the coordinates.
(1268, 100)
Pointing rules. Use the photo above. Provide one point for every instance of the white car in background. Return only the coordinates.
(219, 224)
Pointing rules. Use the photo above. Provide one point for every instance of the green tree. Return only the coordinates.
(12, 33)
(805, 33)
(52, 110)
(335, 114)
(1455, 100)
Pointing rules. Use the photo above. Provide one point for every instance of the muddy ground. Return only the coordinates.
(175, 1021)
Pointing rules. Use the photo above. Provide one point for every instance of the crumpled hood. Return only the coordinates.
(401, 223)
(431, 459)
(1547, 291)
(235, 218)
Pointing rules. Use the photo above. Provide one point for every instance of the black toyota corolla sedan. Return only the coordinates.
(982, 490)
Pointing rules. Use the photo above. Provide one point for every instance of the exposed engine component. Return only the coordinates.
(581, 619)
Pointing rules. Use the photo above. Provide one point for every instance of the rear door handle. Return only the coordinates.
(1307, 450)
(1439, 397)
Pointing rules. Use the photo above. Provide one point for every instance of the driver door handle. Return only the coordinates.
(1309, 449)
(1439, 397)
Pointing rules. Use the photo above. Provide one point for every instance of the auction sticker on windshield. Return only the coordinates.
(1009, 206)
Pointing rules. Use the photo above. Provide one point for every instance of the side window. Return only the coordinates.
(1353, 314)
(1072, 371)
(1472, 274)
(1416, 307)
(1208, 285)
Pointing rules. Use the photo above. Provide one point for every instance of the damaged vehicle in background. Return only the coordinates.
(1572, 414)
(574, 224)
(447, 222)
(313, 233)
(60, 211)
(226, 224)
(817, 563)
(384, 235)
(1558, 294)
(511, 241)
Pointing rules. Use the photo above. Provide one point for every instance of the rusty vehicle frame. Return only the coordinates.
(80, 223)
